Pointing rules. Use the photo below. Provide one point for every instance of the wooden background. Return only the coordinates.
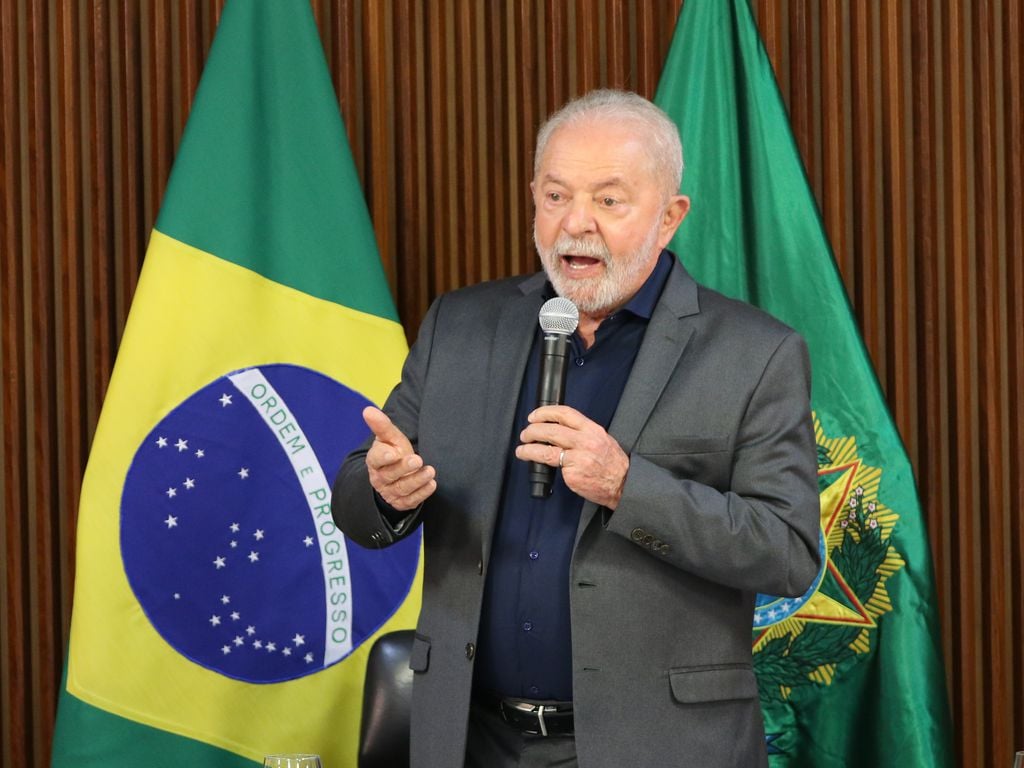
(908, 113)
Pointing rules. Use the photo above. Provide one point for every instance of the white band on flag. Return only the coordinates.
(317, 491)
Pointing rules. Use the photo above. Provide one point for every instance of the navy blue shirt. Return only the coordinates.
(524, 647)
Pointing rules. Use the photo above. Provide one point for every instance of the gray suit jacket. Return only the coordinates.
(720, 503)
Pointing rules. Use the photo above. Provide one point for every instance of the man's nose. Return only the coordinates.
(579, 219)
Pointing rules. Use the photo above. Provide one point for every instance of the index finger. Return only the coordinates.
(385, 430)
(559, 414)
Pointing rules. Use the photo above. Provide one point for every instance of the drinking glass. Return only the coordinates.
(292, 761)
(1018, 761)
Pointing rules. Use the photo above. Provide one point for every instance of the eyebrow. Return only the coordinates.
(611, 181)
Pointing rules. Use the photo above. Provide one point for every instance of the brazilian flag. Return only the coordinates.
(850, 673)
(219, 615)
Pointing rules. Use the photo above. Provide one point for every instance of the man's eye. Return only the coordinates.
(554, 197)
(609, 202)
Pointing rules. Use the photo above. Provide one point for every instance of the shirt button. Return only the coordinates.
(470, 651)
(534, 555)
(534, 690)
(527, 626)
(579, 361)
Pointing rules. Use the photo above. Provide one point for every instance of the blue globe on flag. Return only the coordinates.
(226, 530)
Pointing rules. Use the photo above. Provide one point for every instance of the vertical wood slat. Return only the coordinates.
(38, 363)
(907, 116)
(69, 275)
(899, 316)
(494, 138)
(1012, 26)
(963, 438)
(927, 255)
(995, 736)
(13, 688)
(377, 52)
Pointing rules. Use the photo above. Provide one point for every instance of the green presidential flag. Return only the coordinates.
(219, 615)
(850, 674)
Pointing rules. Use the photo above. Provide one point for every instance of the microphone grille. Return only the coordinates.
(559, 315)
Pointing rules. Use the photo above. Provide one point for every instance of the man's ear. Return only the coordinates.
(676, 210)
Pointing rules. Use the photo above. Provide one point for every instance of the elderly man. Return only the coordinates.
(609, 623)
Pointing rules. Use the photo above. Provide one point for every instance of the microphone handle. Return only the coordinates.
(554, 365)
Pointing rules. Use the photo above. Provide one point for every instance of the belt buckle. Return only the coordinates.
(533, 709)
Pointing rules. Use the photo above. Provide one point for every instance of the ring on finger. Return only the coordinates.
(561, 458)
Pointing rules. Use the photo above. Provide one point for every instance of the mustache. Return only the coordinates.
(579, 246)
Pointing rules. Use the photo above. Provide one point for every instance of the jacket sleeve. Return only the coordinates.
(354, 505)
(762, 533)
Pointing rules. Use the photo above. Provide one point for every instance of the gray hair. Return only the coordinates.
(661, 135)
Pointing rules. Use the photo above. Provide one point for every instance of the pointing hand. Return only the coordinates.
(397, 472)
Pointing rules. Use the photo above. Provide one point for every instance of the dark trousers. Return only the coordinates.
(492, 743)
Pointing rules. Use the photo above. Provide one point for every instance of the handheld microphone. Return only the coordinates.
(558, 319)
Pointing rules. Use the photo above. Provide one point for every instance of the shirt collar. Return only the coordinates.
(644, 300)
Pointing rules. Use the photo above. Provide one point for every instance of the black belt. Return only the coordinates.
(534, 717)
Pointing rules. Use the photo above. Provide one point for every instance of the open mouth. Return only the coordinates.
(579, 263)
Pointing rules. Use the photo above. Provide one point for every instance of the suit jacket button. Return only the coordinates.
(470, 651)
(637, 534)
(647, 540)
(663, 549)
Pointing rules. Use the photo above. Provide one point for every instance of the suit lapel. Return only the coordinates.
(513, 338)
(668, 332)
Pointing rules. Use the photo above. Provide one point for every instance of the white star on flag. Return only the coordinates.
(200, 453)
(189, 483)
(234, 527)
(171, 521)
(225, 400)
(238, 640)
(308, 541)
(258, 535)
(299, 639)
(215, 620)
(233, 544)
(171, 492)
(253, 556)
(243, 472)
(224, 599)
(225, 649)
(250, 630)
(219, 562)
(235, 615)
(257, 643)
(308, 658)
(271, 647)
(161, 442)
(181, 445)
(287, 651)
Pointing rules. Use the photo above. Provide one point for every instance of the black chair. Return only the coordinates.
(387, 699)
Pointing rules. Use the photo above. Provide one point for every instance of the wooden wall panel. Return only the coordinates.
(910, 118)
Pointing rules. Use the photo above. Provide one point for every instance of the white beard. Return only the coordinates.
(612, 289)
